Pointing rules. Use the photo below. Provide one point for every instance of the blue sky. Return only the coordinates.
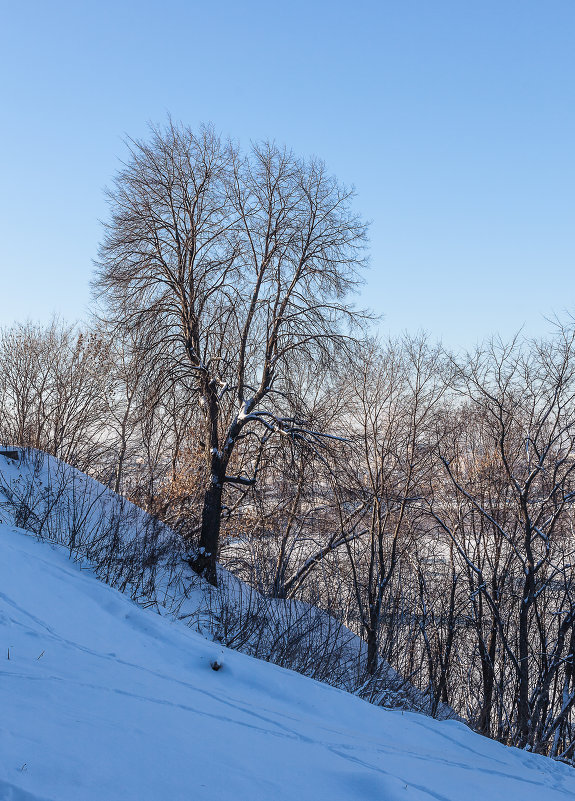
(455, 121)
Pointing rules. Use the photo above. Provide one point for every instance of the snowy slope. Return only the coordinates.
(64, 506)
(102, 700)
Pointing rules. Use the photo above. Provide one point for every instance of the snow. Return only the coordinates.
(103, 700)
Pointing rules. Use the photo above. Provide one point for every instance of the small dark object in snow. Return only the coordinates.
(216, 665)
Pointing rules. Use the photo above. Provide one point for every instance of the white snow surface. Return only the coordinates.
(102, 700)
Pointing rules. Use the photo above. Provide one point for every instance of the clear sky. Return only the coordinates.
(454, 119)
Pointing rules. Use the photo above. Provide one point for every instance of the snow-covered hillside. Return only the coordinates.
(137, 554)
(103, 700)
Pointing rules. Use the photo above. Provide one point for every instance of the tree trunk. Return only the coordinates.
(120, 462)
(204, 562)
(523, 713)
(372, 656)
(487, 656)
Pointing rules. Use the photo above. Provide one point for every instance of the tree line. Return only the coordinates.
(228, 385)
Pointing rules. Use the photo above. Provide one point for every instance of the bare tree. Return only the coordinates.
(393, 404)
(234, 264)
(511, 467)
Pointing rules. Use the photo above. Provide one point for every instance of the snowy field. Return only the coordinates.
(102, 700)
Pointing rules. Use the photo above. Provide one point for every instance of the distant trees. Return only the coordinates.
(236, 267)
(54, 385)
(508, 510)
(393, 403)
